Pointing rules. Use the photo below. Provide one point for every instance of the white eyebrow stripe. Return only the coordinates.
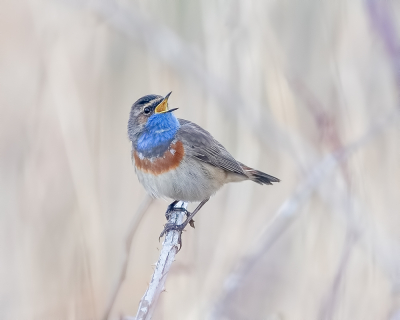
(149, 103)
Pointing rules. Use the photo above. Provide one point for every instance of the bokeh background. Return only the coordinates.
(307, 91)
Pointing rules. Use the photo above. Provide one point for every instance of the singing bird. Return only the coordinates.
(177, 159)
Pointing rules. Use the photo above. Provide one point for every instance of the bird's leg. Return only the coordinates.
(172, 208)
(180, 227)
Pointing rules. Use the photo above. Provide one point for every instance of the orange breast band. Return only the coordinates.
(169, 161)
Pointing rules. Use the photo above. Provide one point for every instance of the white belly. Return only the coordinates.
(191, 181)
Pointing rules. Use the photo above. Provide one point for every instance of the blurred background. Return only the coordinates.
(306, 91)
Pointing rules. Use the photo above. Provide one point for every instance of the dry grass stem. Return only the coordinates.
(286, 214)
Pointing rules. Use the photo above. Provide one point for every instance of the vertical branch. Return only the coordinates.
(167, 256)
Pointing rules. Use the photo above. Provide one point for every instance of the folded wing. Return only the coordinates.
(200, 144)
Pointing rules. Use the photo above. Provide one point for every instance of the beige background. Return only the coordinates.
(284, 85)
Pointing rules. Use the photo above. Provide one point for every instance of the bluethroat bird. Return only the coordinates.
(175, 158)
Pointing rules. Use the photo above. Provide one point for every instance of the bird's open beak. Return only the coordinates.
(163, 105)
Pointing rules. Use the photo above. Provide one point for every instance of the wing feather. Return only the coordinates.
(201, 145)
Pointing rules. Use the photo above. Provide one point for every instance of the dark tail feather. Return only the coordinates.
(261, 177)
(258, 176)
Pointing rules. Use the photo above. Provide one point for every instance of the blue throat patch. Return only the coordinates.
(158, 134)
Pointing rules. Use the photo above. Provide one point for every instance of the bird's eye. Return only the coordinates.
(146, 110)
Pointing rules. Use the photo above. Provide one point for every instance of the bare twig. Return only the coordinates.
(132, 229)
(167, 255)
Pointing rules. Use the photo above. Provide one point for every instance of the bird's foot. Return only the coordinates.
(171, 208)
(174, 227)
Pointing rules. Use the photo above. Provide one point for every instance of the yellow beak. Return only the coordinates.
(163, 105)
